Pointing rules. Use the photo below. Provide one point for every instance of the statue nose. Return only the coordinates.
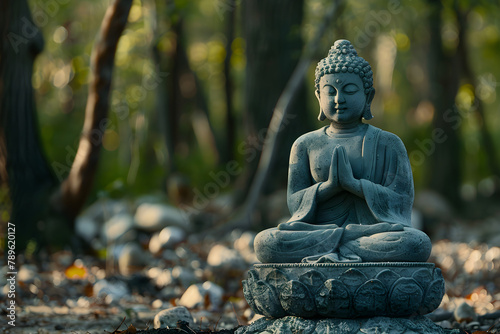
(339, 98)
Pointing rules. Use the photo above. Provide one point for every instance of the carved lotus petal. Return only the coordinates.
(353, 278)
(247, 293)
(388, 277)
(313, 279)
(433, 296)
(333, 299)
(252, 276)
(276, 277)
(371, 297)
(266, 300)
(296, 299)
(405, 297)
(423, 277)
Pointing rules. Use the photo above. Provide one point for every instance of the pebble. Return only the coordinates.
(87, 228)
(464, 312)
(131, 259)
(195, 295)
(154, 217)
(222, 257)
(167, 238)
(27, 273)
(184, 276)
(115, 290)
(117, 228)
(168, 318)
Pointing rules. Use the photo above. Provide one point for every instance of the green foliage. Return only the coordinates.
(393, 38)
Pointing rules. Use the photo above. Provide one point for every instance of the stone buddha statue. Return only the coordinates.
(350, 186)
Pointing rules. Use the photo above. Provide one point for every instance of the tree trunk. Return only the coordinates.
(273, 48)
(76, 188)
(444, 74)
(29, 177)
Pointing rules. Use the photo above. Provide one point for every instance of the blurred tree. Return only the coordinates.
(31, 181)
(273, 48)
(444, 75)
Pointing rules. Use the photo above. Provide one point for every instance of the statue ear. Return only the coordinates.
(321, 116)
(367, 114)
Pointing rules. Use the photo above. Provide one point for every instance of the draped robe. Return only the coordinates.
(387, 185)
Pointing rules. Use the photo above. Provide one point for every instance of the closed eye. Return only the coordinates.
(330, 90)
(351, 89)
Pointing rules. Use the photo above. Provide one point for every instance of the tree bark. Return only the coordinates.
(486, 138)
(444, 74)
(273, 48)
(23, 162)
(76, 188)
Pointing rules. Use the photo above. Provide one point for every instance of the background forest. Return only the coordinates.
(187, 126)
(195, 84)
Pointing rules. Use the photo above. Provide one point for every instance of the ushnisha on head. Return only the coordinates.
(343, 58)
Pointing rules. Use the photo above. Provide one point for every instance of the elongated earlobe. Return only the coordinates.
(367, 114)
(321, 116)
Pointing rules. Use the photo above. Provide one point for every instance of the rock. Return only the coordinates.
(286, 325)
(154, 217)
(131, 259)
(87, 228)
(244, 245)
(195, 295)
(115, 290)
(464, 312)
(168, 318)
(118, 227)
(221, 257)
(27, 273)
(155, 244)
(184, 276)
(167, 238)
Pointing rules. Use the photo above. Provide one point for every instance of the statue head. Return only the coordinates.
(343, 58)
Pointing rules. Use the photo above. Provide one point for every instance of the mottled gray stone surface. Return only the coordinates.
(344, 290)
(376, 325)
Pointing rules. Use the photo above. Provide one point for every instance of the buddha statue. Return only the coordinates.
(350, 185)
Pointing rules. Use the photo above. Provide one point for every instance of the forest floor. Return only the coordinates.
(63, 293)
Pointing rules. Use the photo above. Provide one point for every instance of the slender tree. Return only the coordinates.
(30, 179)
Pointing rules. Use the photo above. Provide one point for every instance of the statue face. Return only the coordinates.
(342, 97)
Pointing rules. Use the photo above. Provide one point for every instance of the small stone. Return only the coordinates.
(115, 290)
(117, 228)
(154, 217)
(195, 295)
(167, 238)
(131, 259)
(86, 227)
(184, 276)
(171, 235)
(168, 318)
(27, 273)
(248, 314)
(222, 257)
(445, 324)
(464, 312)
(157, 303)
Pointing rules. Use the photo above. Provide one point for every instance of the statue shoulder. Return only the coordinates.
(306, 141)
(390, 140)
(309, 138)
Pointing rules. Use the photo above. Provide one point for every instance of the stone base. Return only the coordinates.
(376, 325)
(344, 290)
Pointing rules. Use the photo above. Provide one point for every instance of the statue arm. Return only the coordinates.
(300, 179)
(389, 193)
